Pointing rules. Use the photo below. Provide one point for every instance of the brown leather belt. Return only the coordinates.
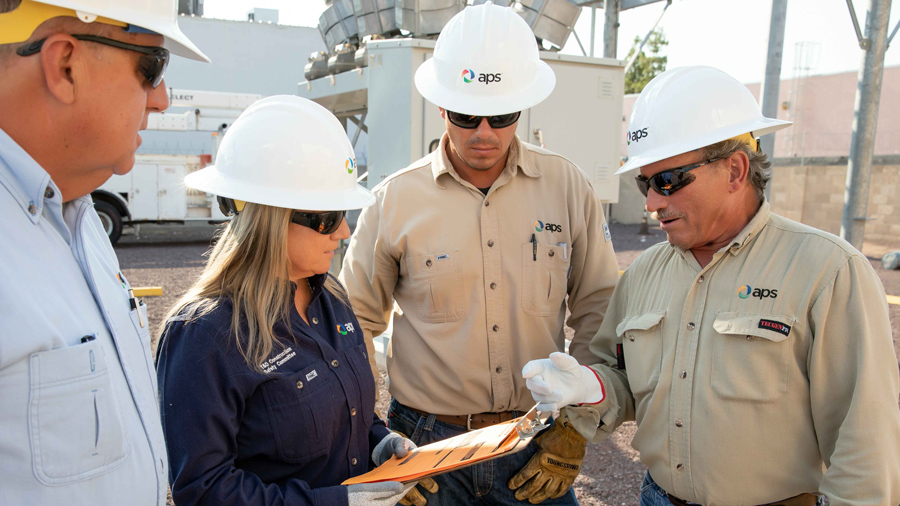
(797, 500)
(474, 422)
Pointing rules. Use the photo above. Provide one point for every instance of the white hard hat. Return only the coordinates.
(689, 108)
(141, 16)
(485, 63)
(285, 151)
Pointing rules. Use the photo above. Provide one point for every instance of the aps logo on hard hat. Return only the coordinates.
(636, 135)
(468, 76)
(350, 164)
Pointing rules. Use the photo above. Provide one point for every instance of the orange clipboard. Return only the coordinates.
(458, 452)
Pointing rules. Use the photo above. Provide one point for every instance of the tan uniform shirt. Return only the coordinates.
(767, 374)
(478, 299)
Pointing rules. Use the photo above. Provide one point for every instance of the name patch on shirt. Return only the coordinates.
(445, 256)
(312, 374)
(276, 361)
(775, 326)
(606, 235)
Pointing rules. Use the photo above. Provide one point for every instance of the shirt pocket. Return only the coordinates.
(359, 360)
(75, 423)
(300, 406)
(436, 280)
(545, 280)
(750, 359)
(641, 337)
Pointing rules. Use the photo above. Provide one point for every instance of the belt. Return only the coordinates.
(476, 421)
(797, 500)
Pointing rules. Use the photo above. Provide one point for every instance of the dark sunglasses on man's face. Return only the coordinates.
(471, 122)
(324, 223)
(670, 181)
(152, 64)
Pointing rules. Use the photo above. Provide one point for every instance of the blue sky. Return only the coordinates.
(728, 34)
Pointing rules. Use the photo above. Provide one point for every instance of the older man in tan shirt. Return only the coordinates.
(753, 352)
(481, 244)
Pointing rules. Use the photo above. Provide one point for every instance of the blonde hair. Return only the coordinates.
(249, 266)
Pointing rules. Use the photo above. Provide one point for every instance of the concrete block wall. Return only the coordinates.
(813, 193)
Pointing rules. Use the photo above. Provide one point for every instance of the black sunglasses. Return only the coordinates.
(670, 181)
(471, 122)
(324, 223)
(152, 65)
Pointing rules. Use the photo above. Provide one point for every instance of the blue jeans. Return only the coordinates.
(480, 484)
(652, 494)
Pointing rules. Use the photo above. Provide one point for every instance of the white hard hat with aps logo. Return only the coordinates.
(689, 108)
(485, 63)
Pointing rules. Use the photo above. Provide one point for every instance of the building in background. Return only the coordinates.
(247, 57)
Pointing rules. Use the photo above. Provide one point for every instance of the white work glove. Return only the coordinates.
(385, 493)
(393, 445)
(559, 381)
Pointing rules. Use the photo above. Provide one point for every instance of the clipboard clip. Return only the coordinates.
(533, 422)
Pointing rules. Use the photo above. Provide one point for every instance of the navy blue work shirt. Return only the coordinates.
(291, 436)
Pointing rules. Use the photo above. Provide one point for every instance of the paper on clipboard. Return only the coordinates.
(457, 452)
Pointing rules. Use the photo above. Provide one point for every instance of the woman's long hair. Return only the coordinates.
(250, 266)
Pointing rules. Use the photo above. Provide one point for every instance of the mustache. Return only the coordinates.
(665, 216)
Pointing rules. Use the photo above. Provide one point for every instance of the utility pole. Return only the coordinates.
(769, 91)
(865, 118)
(611, 28)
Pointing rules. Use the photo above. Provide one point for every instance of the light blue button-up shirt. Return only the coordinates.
(79, 422)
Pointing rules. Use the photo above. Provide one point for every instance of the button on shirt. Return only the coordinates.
(478, 297)
(750, 376)
(289, 436)
(79, 422)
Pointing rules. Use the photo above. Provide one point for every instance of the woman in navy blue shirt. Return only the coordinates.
(266, 394)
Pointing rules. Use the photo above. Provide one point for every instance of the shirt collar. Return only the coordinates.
(24, 178)
(751, 229)
(440, 162)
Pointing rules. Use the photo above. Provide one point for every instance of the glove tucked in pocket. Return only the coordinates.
(553, 469)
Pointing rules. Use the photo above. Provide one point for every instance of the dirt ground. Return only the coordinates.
(173, 256)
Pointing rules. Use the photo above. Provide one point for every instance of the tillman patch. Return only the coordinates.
(775, 326)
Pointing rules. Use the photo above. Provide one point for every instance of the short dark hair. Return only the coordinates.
(9, 5)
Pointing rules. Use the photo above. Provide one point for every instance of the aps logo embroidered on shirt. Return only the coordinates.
(748, 291)
(345, 328)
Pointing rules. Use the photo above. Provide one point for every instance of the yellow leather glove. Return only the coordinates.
(553, 469)
(414, 497)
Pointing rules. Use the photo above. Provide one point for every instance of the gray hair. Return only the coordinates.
(760, 172)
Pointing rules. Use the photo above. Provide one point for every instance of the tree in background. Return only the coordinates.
(646, 67)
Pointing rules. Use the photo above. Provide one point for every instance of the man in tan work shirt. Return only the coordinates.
(753, 352)
(480, 243)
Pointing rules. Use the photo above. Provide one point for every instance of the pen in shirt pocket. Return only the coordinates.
(565, 248)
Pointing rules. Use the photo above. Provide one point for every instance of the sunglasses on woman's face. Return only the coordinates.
(470, 122)
(324, 223)
(152, 64)
(670, 181)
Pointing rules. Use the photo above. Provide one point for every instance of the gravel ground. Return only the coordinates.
(173, 256)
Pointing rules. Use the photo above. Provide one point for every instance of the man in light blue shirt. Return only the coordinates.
(80, 421)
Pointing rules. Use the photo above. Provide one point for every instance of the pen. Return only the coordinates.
(534, 247)
(135, 306)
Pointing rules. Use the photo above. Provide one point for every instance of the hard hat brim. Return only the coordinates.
(210, 180)
(447, 98)
(763, 126)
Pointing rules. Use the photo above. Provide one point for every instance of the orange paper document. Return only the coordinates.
(456, 452)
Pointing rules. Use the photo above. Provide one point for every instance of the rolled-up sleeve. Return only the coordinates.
(854, 388)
